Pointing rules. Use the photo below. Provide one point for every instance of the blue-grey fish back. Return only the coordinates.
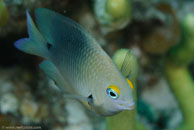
(70, 46)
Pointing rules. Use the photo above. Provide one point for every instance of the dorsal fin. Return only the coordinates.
(56, 27)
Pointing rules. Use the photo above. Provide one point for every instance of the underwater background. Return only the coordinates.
(160, 34)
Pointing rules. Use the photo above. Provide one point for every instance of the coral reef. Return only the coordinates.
(159, 36)
(125, 119)
(179, 78)
(112, 14)
(164, 35)
(19, 106)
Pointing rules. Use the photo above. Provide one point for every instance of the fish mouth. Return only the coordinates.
(130, 106)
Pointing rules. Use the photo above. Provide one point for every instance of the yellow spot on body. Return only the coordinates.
(115, 88)
(129, 82)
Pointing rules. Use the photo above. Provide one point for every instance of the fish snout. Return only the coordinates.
(130, 106)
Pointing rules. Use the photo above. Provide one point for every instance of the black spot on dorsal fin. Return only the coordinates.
(48, 45)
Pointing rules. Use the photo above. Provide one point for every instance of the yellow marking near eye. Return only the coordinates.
(115, 88)
(129, 82)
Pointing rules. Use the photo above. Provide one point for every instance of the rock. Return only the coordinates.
(163, 34)
(8, 103)
(29, 110)
(161, 100)
(77, 118)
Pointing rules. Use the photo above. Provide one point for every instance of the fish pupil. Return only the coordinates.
(48, 45)
(112, 94)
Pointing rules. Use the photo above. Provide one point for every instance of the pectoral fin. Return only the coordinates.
(78, 97)
(52, 72)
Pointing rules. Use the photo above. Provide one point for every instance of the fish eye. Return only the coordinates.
(113, 92)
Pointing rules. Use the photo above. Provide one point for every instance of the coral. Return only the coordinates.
(117, 9)
(177, 74)
(119, 57)
(29, 109)
(8, 103)
(126, 119)
(164, 34)
(113, 14)
(184, 53)
(121, 121)
(16, 10)
(3, 14)
(151, 29)
(77, 118)
(160, 106)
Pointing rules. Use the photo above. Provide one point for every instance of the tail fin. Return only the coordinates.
(35, 44)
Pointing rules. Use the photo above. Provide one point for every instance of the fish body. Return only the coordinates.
(77, 63)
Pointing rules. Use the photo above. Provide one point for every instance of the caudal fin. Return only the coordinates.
(35, 44)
